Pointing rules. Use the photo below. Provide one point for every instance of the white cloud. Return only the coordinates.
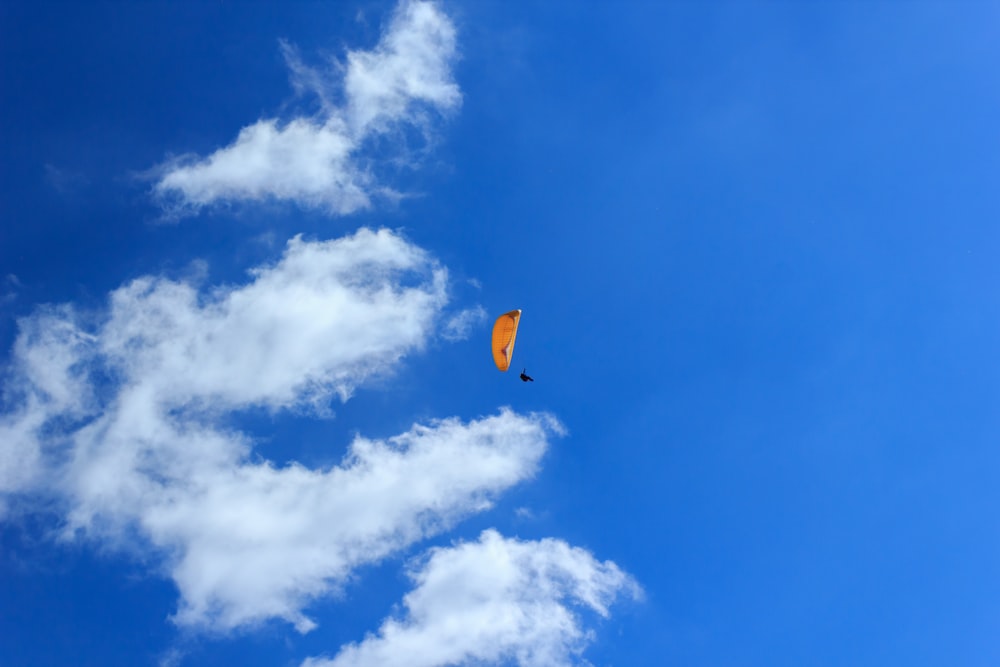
(20, 453)
(44, 380)
(301, 161)
(64, 181)
(323, 319)
(495, 601)
(410, 64)
(119, 418)
(9, 288)
(316, 161)
(251, 541)
(460, 325)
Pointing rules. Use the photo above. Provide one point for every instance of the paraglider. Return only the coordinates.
(504, 334)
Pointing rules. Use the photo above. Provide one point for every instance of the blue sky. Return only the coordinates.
(250, 254)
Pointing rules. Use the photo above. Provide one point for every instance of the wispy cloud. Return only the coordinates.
(494, 601)
(9, 288)
(119, 415)
(65, 181)
(461, 325)
(316, 161)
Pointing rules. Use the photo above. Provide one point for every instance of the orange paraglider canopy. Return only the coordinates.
(504, 333)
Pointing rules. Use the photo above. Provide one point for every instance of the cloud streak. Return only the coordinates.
(494, 601)
(316, 161)
(461, 325)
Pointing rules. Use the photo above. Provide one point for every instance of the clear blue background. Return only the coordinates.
(756, 247)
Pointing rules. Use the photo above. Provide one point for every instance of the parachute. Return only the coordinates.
(504, 333)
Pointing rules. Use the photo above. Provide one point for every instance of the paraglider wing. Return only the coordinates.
(504, 333)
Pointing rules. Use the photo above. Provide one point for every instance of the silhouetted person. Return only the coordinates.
(525, 377)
